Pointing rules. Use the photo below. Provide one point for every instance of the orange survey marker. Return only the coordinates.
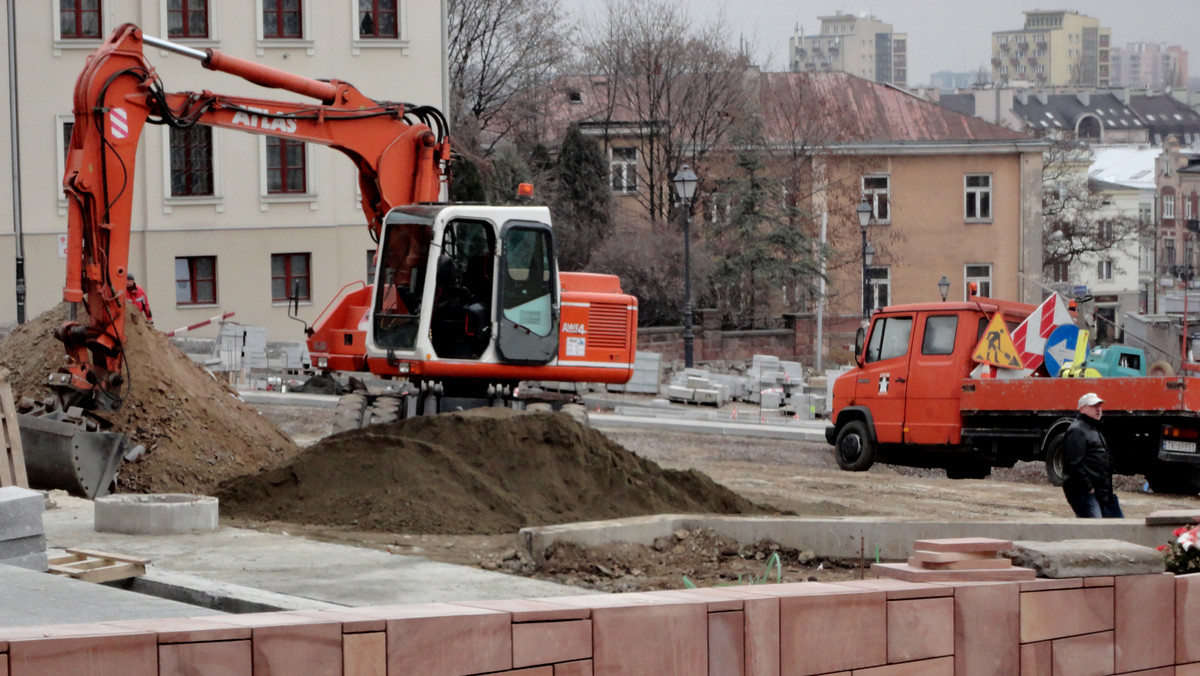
(12, 467)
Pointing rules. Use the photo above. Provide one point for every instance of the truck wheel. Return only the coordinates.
(1174, 478)
(1054, 460)
(855, 451)
(349, 413)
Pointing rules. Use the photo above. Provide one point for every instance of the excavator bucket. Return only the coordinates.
(67, 450)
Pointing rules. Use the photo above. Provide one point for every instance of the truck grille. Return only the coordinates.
(607, 326)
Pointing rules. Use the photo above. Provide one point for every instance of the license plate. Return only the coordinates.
(1179, 446)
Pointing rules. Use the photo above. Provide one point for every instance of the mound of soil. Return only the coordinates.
(197, 433)
(483, 471)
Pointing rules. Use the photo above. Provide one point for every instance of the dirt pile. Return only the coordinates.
(197, 433)
(481, 471)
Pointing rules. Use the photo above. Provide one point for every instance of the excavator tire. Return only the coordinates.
(578, 412)
(349, 413)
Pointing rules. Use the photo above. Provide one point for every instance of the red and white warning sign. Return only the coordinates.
(118, 122)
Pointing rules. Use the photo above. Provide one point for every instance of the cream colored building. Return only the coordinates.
(240, 235)
(1053, 48)
(862, 46)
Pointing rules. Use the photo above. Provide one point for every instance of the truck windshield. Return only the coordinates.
(889, 338)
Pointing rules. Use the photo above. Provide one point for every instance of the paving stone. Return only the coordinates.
(20, 512)
(1086, 558)
(32, 561)
(1173, 517)
(19, 547)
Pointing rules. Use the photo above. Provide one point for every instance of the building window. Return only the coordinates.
(622, 169)
(191, 161)
(79, 19)
(1104, 271)
(371, 266)
(1168, 206)
(186, 18)
(196, 280)
(378, 19)
(68, 128)
(978, 198)
(877, 191)
(880, 288)
(285, 167)
(282, 19)
(1169, 251)
(290, 271)
(1059, 272)
(981, 276)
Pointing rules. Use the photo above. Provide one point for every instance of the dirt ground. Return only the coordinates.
(802, 478)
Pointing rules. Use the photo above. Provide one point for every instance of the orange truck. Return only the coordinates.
(911, 400)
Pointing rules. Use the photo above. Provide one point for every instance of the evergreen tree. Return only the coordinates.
(466, 181)
(582, 217)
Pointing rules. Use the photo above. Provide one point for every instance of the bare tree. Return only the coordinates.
(672, 87)
(499, 49)
(1079, 224)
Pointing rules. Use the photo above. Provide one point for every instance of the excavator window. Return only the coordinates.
(528, 292)
(401, 284)
(460, 327)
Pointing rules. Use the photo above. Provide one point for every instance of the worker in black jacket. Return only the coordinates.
(1087, 466)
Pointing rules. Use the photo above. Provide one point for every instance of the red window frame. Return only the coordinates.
(72, 19)
(194, 280)
(179, 16)
(287, 168)
(283, 270)
(191, 161)
(369, 10)
(275, 15)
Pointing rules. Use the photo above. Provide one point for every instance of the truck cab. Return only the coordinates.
(905, 388)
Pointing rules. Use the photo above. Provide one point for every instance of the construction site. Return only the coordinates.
(374, 550)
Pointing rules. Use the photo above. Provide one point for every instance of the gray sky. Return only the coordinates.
(952, 35)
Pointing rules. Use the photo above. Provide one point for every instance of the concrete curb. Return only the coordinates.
(837, 537)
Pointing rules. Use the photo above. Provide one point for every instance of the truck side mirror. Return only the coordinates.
(859, 338)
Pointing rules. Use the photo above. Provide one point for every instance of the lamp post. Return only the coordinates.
(944, 287)
(685, 187)
(868, 252)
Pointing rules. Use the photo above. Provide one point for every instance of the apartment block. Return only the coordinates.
(222, 221)
(1149, 65)
(1053, 48)
(862, 46)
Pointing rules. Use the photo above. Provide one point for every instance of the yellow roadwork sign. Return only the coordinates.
(996, 346)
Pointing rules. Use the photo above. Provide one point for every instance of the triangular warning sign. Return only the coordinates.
(996, 346)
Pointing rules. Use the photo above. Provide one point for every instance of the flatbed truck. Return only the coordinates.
(911, 400)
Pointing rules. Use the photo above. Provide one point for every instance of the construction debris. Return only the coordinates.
(12, 463)
(92, 566)
(956, 560)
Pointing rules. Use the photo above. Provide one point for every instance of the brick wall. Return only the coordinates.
(795, 342)
(1139, 624)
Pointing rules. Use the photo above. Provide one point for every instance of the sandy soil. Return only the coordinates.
(794, 477)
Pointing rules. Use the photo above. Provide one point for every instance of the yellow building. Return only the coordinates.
(223, 233)
(1053, 49)
(862, 46)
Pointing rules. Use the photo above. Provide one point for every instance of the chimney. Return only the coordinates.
(1043, 98)
(1085, 98)
(1023, 97)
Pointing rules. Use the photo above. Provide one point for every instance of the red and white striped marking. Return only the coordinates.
(1030, 337)
(206, 322)
(118, 122)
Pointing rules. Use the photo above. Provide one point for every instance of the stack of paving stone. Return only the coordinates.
(694, 386)
(956, 560)
(22, 537)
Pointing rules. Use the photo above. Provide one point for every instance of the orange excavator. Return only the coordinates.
(468, 301)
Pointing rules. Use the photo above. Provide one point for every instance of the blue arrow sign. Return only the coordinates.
(1060, 347)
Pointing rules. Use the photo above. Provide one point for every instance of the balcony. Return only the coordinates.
(995, 62)
(1014, 61)
(1040, 45)
(1032, 61)
(1004, 46)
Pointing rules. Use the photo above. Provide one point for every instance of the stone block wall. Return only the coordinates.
(1138, 624)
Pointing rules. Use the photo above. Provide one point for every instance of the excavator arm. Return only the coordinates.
(400, 152)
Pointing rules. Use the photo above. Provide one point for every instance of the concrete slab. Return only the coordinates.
(839, 537)
(1086, 558)
(293, 566)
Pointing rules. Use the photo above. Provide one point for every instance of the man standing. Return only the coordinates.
(1087, 466)
(137, 295)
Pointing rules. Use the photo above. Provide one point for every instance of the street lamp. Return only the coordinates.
(864, 216)
(944, 287)
(685, 186)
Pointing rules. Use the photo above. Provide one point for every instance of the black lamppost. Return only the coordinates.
(944, 287)
(685, 186)
(868, 252)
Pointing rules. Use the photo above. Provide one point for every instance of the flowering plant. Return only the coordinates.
(1183, 555)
